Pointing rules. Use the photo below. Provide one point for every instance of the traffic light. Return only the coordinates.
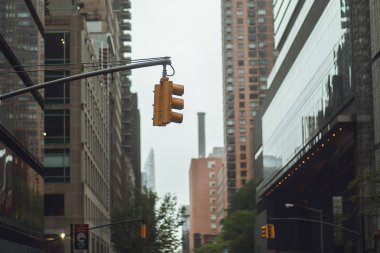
(265, 231)
(169, 102)
(164, 102)
(143, 231)
(157, 106)
(272, 234)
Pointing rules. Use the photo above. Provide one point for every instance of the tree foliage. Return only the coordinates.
(244, 199)
(169, 219)
(364, 192)
(238, 227)
(126, 237)
(238, 231)
(162, 224)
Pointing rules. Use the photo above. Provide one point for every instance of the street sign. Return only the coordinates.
(81, 236)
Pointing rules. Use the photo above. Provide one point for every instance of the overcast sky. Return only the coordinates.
(190, 33)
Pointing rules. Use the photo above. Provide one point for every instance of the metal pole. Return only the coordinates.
(321, 231)
(71, 238)
(160, 61)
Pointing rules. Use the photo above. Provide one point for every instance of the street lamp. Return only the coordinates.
(289, 205)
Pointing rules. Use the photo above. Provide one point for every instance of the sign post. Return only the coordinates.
(81, 236)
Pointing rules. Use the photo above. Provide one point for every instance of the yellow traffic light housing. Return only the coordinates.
(170, 102)
(265, 231)
(268, 231)
(272, 234)
(143, 231)
(164, 102)
(157, 106)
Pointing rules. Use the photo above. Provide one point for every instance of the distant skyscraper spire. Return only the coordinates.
(148, 179)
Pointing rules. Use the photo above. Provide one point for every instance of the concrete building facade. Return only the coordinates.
(80, 117)
(247, 32)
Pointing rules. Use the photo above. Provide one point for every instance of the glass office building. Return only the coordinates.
(21, 127)
(316, 126)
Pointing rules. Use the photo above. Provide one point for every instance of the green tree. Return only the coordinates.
(363, 192)
(244, 198)
(238, 227)
(162, 224)
(126, 237)
(238, 231)
(169, 219)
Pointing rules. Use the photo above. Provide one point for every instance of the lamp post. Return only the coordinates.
(289, 205)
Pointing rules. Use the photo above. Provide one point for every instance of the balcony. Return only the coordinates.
(126, 37)
(126, 15)
(126, 26)
(126, 49)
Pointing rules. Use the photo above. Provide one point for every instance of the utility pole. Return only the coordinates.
(155, 62)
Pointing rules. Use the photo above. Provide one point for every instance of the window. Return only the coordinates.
(57, 48)
(54, 205)
(261, 12)
(57, 126)
(57, 164)
(253, 96)
(57, 93)
(262, 44)
(210, 164)
(253, 79)
(253, 87)
(253, 71)
(263, 61)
